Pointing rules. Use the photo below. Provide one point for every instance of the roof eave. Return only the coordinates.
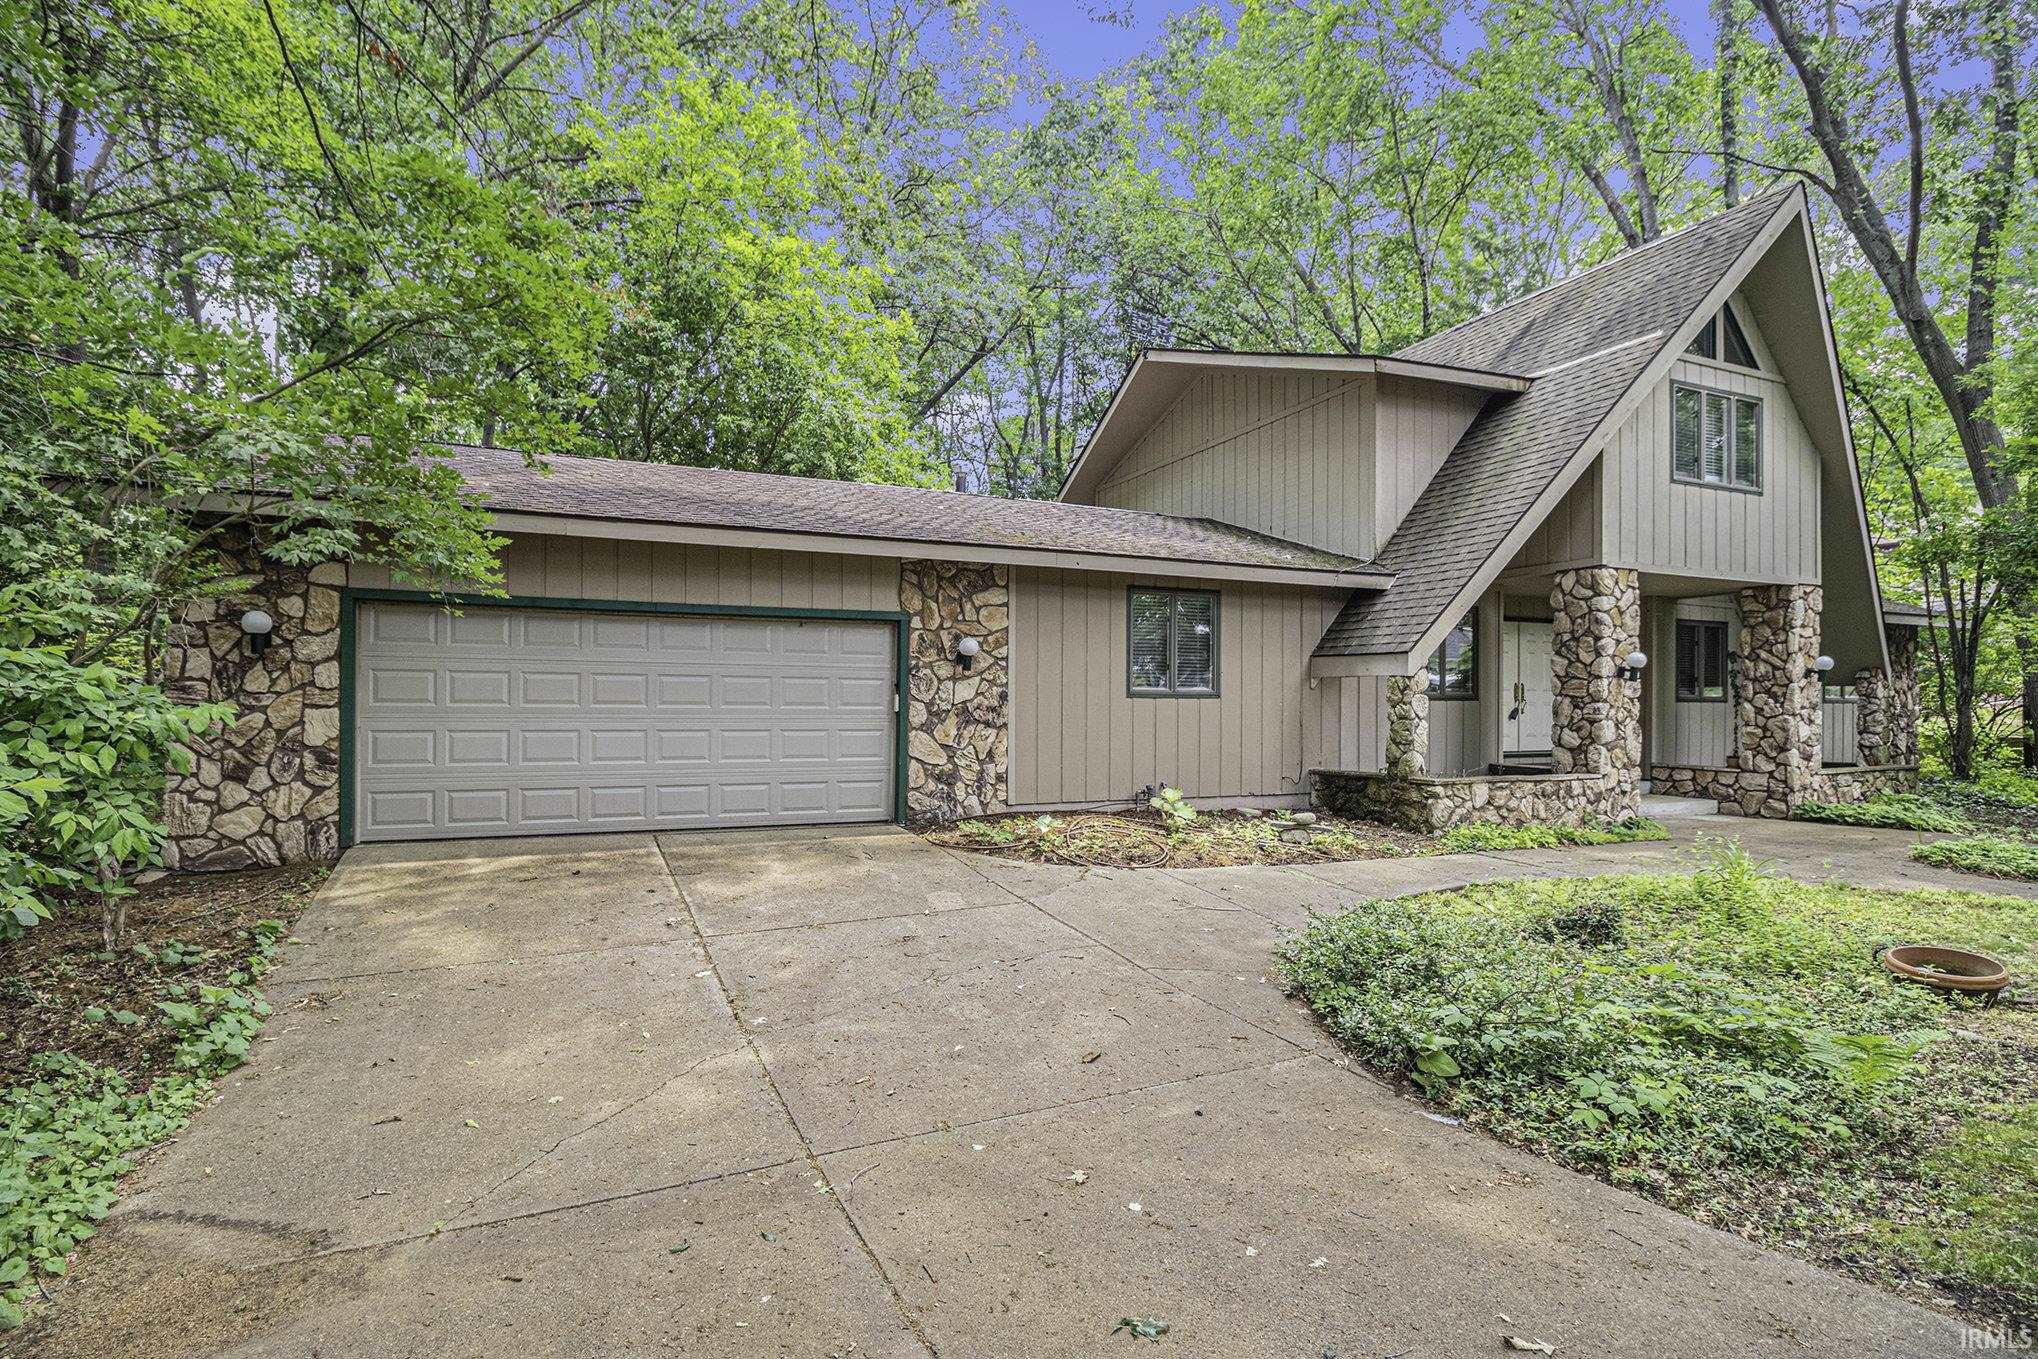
(781, 540)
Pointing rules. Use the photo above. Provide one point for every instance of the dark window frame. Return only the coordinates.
(1695, 691)
(1721, 333)
(1437, 666)
(1732, 459)
(1172, 595)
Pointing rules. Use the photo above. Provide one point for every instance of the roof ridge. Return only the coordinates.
(1623, 257)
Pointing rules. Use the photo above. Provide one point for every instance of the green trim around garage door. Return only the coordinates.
(351, 598)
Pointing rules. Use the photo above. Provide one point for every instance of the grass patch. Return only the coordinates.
(1481, 835)
(1206, 840)
(1721, 1040)
(1994, 856)
(109, 1053)
(1892, 811)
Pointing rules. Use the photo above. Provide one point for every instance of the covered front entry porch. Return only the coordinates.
(1564, 696)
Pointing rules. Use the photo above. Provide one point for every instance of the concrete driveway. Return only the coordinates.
(852, 1094)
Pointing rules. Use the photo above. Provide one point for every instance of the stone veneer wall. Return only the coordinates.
(264, 789)
(1900, 722)
(1871, 715)
(1407, 754)
(1777, 699)
(957, 718)
(1596, 725)
(1437, 804)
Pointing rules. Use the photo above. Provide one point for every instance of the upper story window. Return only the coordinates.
(1171, 644)
(1721, 337)
(1715, 438)
(1701, 661)
(1454, 667)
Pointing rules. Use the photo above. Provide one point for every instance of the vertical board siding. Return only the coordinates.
(1456, 736)
(1417, 424)
(1688, 733)
(1570, 535)
(1078, 737)
(1839, 731)
(1278, 453)
(556, 566)
(1650, 522)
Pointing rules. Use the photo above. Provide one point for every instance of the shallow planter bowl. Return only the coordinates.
(1948, 969)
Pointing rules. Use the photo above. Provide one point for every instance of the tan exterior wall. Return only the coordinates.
(1078, 737)
(1273, 452)
(1415, 427)
(1570, 535)
(1656, 524)
(560, 567)
(1694, 734)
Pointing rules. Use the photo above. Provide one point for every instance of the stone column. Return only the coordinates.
(1596, 715)
(1871, 716)
(1776, 698)
(955, 713)
(1900, 702)
(264, 789)
(1408, 725)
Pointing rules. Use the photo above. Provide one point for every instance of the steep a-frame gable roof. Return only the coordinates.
(1586, 343)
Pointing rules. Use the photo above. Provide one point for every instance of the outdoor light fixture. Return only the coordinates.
(967, 649)
(1819, 668)
(1633, 664)
(258, 625)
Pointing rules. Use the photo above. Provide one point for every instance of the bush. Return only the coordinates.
(1995, 856)
(82, 752)
(1482, 835)
(1892, 811)
(1647, 1026)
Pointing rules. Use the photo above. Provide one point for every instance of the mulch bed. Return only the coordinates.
(58, 970)
(1139, 839)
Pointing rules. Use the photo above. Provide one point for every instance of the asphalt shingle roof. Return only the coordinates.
(1593, 326)
(663, 493)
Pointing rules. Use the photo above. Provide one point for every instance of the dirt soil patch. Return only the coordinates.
(60, 991)
(1213, 840)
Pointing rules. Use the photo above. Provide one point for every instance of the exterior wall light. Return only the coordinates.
(1633, 664)
(967, 650)
(258, 626)
(1819, 669)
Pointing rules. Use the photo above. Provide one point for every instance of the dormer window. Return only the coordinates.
(1722, 338)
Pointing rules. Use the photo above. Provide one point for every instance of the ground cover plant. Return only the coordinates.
(1893, 811)
(1992, 855)
(1480, 835)
(1724, 1041)
(1167, 838)
(111, 1050)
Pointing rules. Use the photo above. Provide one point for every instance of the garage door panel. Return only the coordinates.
(507, 721)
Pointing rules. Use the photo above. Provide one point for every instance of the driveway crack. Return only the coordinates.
(905, 1312)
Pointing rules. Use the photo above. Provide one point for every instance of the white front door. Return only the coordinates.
(1525, 650)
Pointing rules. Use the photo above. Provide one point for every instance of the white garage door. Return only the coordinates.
(507, 721)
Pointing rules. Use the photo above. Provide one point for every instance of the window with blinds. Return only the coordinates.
(1715, 438)
(1171, 643)
(1701, 661)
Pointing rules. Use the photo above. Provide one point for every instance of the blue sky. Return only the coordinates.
(1080, 44)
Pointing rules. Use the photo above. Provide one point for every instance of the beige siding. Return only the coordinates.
(1839, 731)
(1570, 535)
(1273, 452)
(1416, 425)
(1688, 733)
(1656, 524)
(1078, 737)
(559, 567)
(1457, 735)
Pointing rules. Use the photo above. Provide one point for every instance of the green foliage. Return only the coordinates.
(1893, 811)
(1483, 835)
(1995, 856)
(82, 750)
(1989, 1174)
(1653, 1027)
(1177, 813)
(66, 1138)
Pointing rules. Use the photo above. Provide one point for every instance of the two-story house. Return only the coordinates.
(1608, 535)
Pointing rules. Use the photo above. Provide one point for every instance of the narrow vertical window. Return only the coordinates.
(1747, 443)
(1701, 661)
(1171, 643)
(1689, 423)
(1716, 437)
(1454, 666)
